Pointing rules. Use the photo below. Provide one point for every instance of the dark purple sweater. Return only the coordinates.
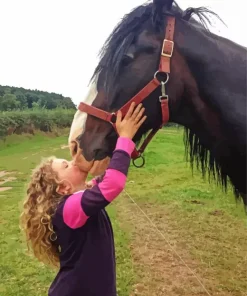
(84, 231)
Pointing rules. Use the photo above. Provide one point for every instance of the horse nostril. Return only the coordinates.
(74, 148)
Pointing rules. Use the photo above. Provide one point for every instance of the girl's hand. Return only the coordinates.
(133, 120)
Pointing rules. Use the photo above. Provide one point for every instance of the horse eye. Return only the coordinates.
(126, 60)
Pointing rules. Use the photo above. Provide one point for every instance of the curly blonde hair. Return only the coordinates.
(39, 206)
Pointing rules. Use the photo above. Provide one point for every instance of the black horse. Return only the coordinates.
(207, 91)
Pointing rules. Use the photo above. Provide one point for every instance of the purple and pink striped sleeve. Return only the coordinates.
(81, 205)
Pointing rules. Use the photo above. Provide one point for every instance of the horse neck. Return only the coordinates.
(219, 68)
(214, 55)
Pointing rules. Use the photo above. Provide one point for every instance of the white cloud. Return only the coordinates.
(52, 45)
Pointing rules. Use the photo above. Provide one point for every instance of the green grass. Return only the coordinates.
(204, 220)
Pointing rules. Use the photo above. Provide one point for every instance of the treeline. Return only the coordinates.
(25, 111)
(15, 98)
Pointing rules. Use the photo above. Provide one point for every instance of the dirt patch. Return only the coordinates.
(217, 213)
(160, 271)
(64, 147)
(3, 173)
(5, 179)
(5, 188)
(197, 202)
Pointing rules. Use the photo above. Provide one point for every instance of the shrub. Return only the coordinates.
(27, 121)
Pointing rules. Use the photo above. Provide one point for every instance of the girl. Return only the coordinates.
(67, 225)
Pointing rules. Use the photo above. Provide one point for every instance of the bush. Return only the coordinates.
(26, 121)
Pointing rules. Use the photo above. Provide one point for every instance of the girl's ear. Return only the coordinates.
(64, 188)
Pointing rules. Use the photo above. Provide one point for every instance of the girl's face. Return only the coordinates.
(72, 179)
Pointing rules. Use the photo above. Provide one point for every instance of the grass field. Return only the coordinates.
(199, 233)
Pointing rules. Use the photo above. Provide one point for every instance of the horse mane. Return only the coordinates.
(117, 45)
(111, 54)
(197, 154)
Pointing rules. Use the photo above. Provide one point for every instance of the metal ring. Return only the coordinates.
(142, 163)
(113, 115)
(167, 76)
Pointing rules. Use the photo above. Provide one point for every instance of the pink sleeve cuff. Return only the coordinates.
(73, 214)
(125, 144)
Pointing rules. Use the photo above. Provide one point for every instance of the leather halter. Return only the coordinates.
(164, 67)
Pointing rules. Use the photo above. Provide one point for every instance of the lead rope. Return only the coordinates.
(166, 240)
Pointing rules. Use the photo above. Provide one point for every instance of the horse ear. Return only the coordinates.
(159, 8)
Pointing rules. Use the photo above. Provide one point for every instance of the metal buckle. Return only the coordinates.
(163, 98)
(169, 55)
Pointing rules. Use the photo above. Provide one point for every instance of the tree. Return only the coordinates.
(9, 102)
(33, 98)
(21, 98)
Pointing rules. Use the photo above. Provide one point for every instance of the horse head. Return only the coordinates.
(204, 96)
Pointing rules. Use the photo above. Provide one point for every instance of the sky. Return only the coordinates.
(52, 45)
